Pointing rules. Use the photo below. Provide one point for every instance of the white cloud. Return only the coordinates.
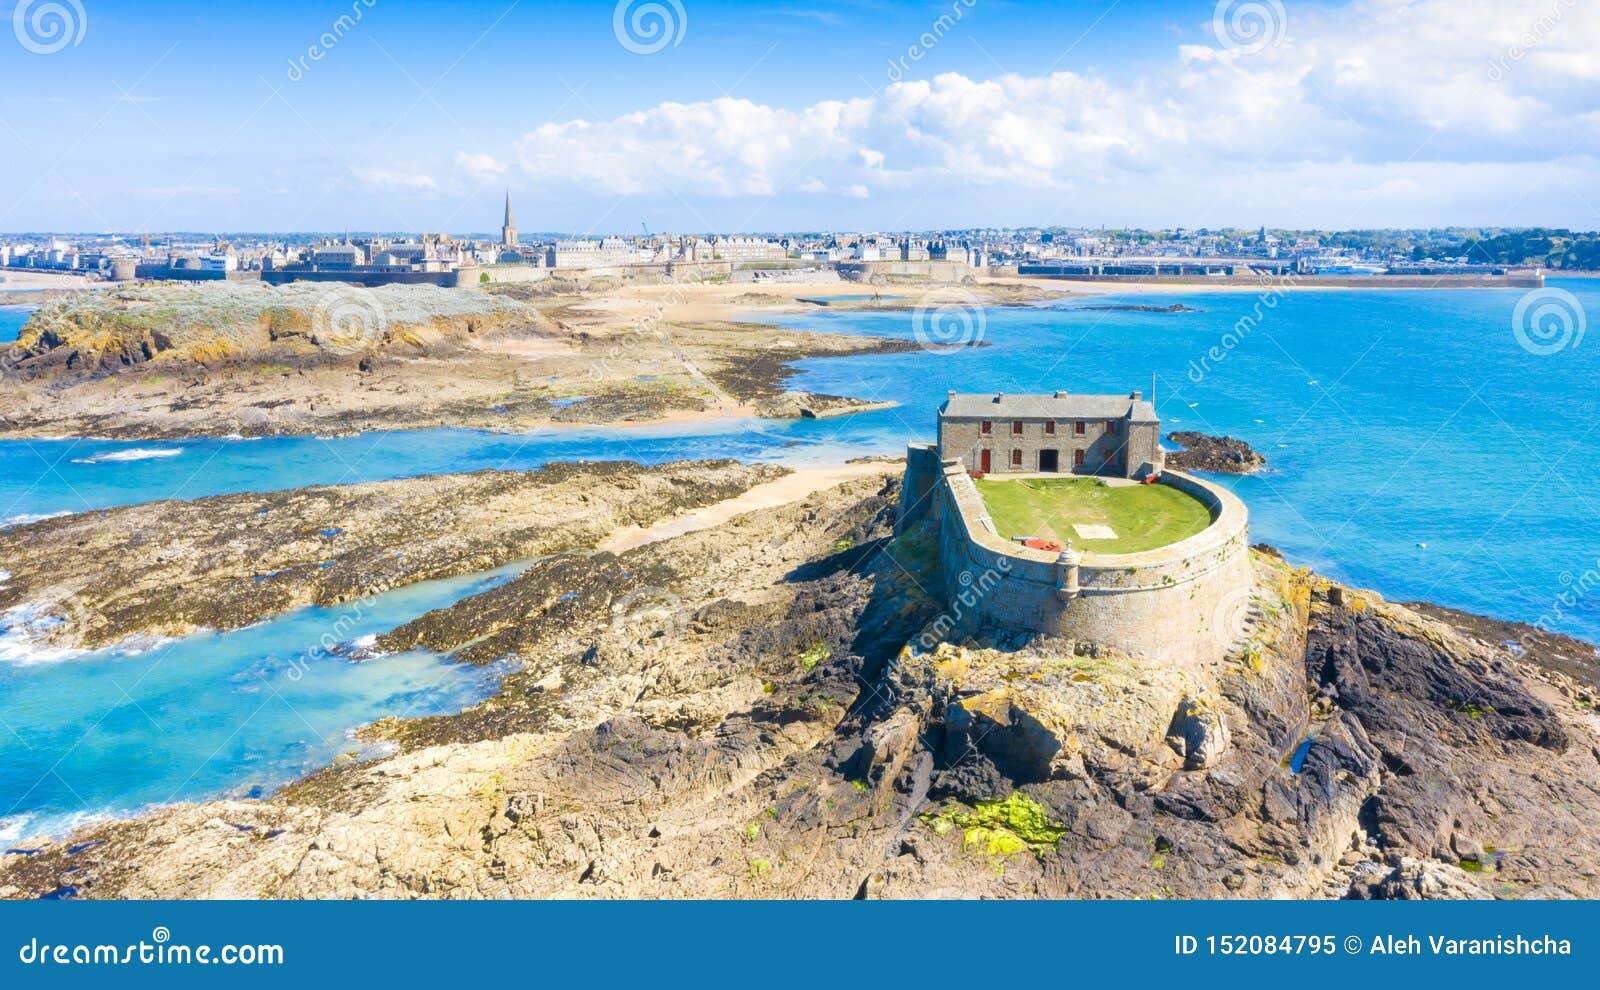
(479, 165)
(395, 180)
(1372, 103)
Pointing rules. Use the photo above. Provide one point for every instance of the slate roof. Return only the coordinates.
(1061, 405)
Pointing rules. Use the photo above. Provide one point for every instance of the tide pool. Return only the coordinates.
(12, 319)
(238, 713)
(1415, 445)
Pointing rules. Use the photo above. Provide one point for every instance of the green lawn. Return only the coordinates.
(1144, 516)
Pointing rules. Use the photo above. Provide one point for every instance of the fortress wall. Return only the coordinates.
(501, 274)
(918, 495)
(1179, 605)
(942, 270)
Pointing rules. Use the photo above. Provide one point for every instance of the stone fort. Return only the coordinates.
(1179, 605)
(1116, 435)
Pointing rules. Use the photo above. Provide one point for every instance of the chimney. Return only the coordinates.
(950, 395)
(998, 396)
(1061, 395)
(1136, 396)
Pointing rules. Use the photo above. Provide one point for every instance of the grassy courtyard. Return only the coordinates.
(1143, 517)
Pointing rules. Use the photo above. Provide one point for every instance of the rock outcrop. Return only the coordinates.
(748, 711)
(93, 578)
(1220, 455)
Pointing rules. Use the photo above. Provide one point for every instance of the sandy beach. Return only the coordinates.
(12, 280)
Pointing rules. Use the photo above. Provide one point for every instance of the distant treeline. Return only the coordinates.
(1556, 248)
(1533, 246)
(1561, 249)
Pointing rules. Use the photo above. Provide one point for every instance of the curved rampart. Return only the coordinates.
(1181, 605)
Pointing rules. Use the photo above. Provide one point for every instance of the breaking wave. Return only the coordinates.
(124, 456)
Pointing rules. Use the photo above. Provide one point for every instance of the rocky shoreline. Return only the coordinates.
(92, 579)
(740, 711)
(165, 362)
(1219, 455)
(1173, 308)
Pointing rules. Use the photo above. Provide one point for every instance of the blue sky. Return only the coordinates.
(814, 114)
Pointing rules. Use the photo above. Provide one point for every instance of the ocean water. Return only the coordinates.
(238, 713)
(12, 317)
(1416, 447)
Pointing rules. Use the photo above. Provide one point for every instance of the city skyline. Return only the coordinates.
(601, 117)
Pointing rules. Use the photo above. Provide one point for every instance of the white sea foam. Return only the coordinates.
(30, 517)
(12, 828)
(22, 627)
(30, 825)
(124, 456)
(25, 653)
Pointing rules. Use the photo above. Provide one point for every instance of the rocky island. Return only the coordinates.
(775, 722)
(1219, 455)
(727, 680)
(246, 359)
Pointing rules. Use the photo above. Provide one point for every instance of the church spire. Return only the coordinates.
(508, 231)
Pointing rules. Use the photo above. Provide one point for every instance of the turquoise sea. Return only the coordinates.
(1416, 446)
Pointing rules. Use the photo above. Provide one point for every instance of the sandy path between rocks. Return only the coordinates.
(789, 488)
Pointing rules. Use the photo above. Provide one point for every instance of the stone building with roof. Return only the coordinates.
(995, 433)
